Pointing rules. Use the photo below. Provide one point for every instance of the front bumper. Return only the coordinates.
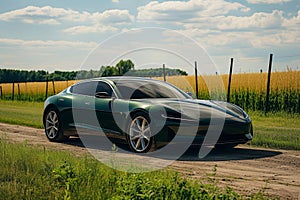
(230, 132)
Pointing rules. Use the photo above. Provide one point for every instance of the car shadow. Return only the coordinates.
(96, 143)
(241, 152)
(74, 141)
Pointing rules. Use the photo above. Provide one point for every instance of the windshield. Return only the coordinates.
(131, 89)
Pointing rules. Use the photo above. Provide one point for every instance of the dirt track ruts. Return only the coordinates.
(245, 169)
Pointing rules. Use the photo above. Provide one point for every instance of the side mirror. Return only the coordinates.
(190, 94)
(102, 95)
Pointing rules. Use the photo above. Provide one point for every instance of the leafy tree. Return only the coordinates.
(124, 66)
(110, 71)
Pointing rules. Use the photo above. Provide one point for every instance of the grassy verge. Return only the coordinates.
(37, 173)
(276, 130)
(21, 113)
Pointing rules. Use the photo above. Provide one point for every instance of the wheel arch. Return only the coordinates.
(47, 108)
(129, 117)
(138, 110)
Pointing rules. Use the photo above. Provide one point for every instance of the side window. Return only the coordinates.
(104, 87)
(85, 88)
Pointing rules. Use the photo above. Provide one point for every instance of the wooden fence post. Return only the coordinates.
(53, 86)
(19, 92)
(196, 79)
(229, 80)
(268, 84)
(13, 91)
(1, 94)
(46, 95)
(164, 72)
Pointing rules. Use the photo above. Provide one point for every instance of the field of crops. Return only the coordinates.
(247, 90)
(32, 91)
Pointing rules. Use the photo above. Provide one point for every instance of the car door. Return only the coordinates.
(64, 103)
(105, 97)
(83, 107)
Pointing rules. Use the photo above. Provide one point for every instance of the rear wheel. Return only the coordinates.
(139, 135)
(53, 124)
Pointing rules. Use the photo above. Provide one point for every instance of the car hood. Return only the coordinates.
(195, 109)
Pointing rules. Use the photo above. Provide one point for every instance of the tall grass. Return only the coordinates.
(37, 173)
(33, 91)
(248, 90)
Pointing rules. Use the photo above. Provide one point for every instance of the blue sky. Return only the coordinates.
(59, 35)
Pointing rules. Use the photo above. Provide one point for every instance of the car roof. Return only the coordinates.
(128, 78)
(114, 79)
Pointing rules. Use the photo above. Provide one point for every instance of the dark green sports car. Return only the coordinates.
(146, 114)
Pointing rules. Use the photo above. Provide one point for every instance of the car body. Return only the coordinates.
(144, 113)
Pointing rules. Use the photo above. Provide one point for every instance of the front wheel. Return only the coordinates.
(52, 124)
(139, 134)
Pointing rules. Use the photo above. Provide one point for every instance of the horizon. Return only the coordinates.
(287, 70)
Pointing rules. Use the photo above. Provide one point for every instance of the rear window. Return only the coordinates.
(85, 88)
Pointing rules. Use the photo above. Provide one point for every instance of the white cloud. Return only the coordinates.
(293, 22)
(103, 22)
(276, 39)
(185, 11)
(267, 1)
(115, 1)
(46, 43)
(42, 15)
(90, 29)
(257, 20)
(115, 16)
(244, 39)
(41, 21)
(50, 15)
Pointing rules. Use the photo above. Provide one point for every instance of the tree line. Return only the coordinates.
(124, 67)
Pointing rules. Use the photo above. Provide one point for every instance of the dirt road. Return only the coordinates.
(245, 169)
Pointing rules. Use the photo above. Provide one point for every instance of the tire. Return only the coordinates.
(139, 135)
(53, 126)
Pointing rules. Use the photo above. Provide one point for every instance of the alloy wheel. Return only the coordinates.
(140, 134)
(52, 125)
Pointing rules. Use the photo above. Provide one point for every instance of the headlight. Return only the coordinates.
(239, 111)
(176, 118)
(234, 109)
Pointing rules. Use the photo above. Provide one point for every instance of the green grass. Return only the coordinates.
(22, 113)
(276, 130)
(37, 173)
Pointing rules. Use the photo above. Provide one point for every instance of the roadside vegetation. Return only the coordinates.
(38, 173)
(278, 130)
(22, 113)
